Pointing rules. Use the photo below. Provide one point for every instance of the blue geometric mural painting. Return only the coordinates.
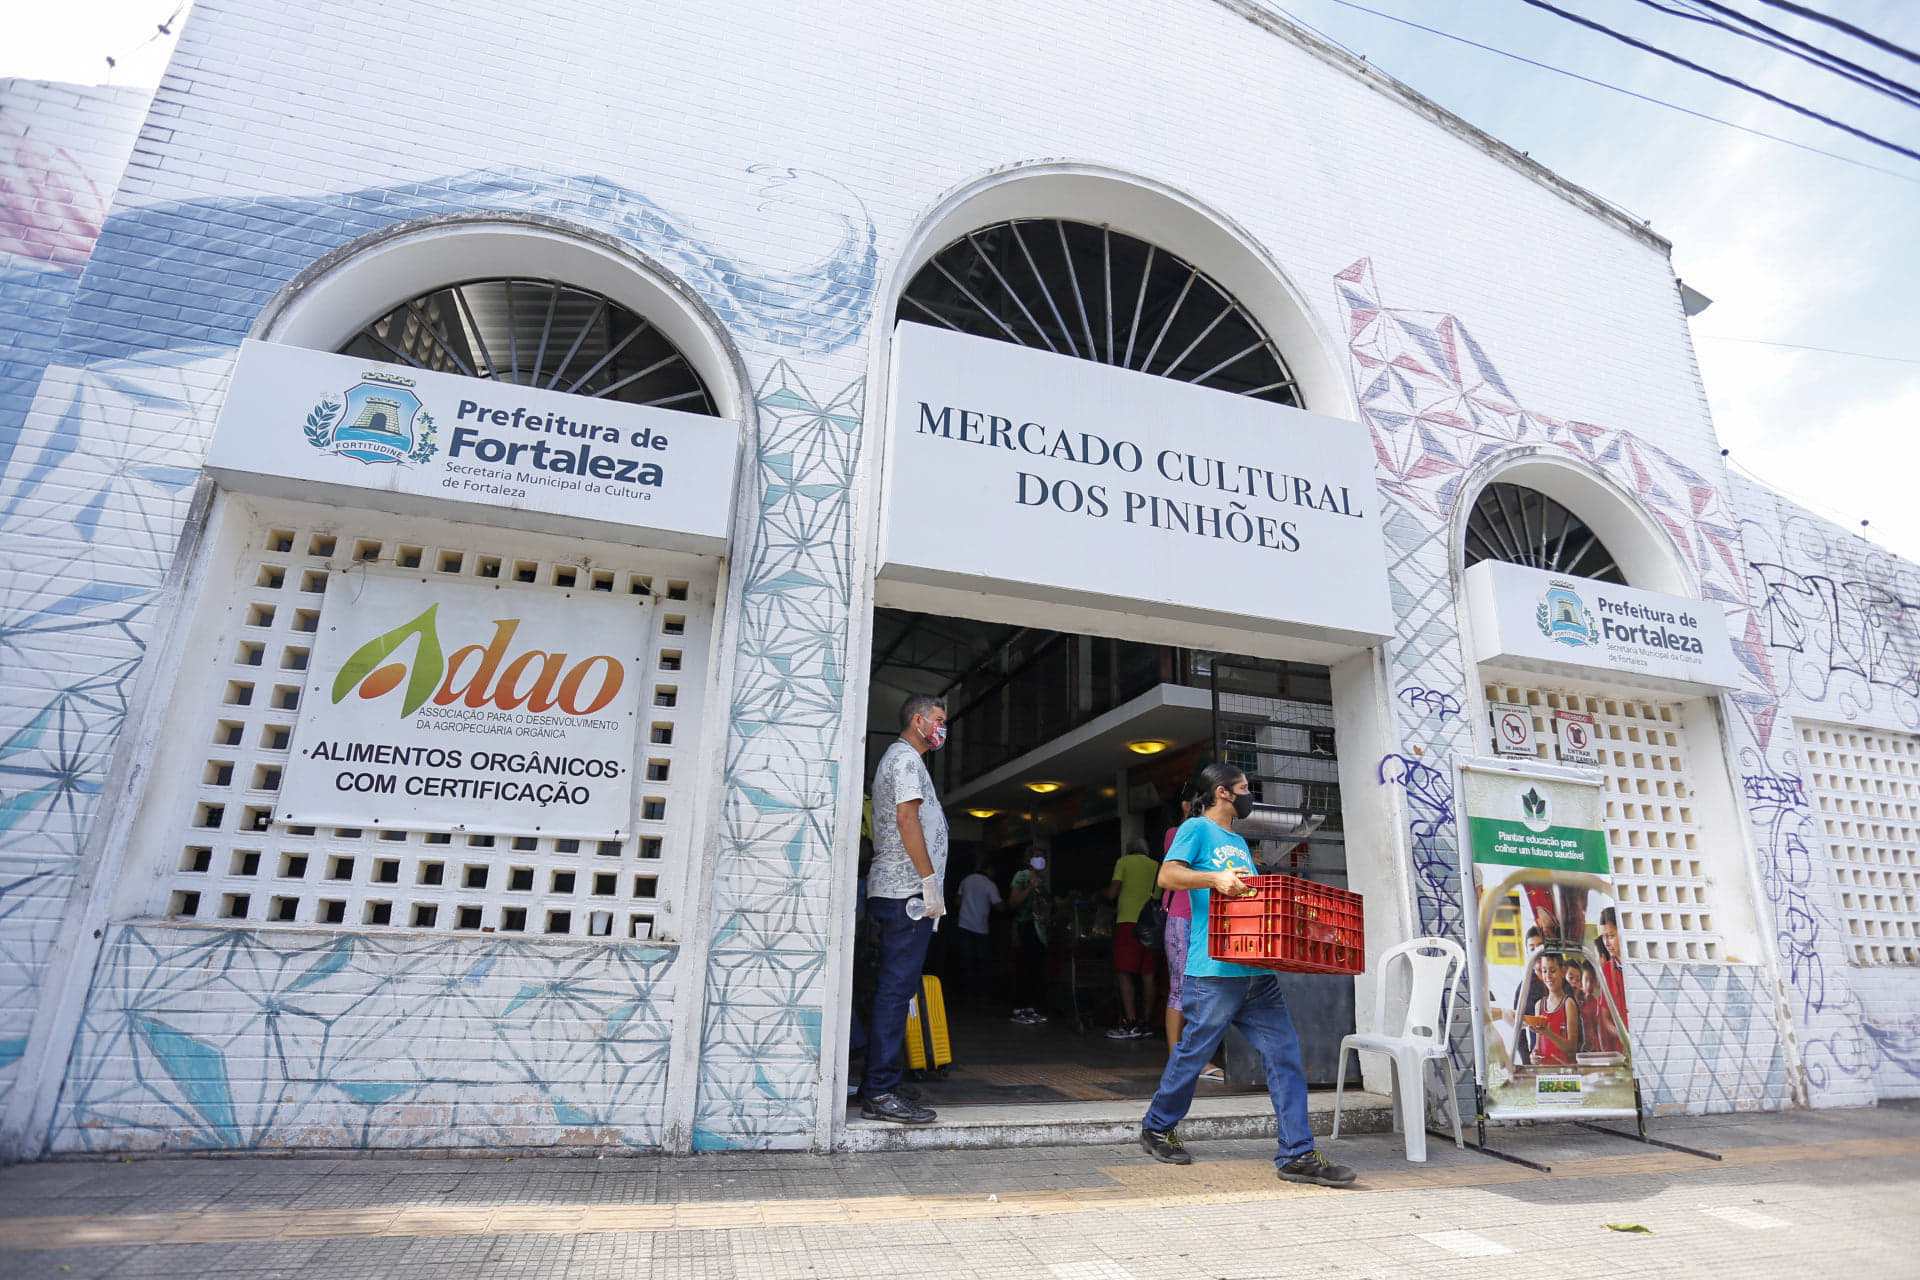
(251, 1039)
(767, 979)
(92, 503)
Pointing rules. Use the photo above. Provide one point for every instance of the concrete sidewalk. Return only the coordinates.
(1825, 1190)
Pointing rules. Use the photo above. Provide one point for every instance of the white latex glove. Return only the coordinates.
(936, 900)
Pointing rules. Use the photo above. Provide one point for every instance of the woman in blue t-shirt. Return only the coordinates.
(1207, 857)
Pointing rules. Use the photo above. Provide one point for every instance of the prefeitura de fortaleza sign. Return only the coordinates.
(1553, 623)
(313, 426)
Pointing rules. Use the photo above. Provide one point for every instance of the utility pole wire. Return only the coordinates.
(1798, 346)
(1723, 78)
(1887, 46)
(1784, 42)
(1602, 84)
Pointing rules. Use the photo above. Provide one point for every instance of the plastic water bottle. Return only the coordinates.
(916, 908)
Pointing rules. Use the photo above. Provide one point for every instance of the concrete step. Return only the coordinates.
(1086, 1124)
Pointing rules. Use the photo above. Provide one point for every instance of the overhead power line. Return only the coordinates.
(1614, 88)
(1737, 23)
(1818, 508)
(1795, 346)
(1886, 46)
(1723, 78)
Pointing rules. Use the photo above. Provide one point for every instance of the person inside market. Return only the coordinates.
(1029, 899)
(1134, 967)
(1207, 857)
(909, 864)
(979, 899)
(1179, 932)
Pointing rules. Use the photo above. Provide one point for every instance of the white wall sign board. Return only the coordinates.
(436, 707)
(310, 425)
(1026, 473)
(1575, 731)
(1552, 623)
(1512, 729)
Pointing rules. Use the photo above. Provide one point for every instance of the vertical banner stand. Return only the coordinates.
(1640, 1114)
(1534, 864)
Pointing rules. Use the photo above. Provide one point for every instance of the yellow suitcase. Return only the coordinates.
(928, 1049)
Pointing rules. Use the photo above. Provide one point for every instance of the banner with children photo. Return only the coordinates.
(1551, 1035)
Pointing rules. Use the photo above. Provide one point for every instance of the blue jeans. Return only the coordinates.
(1258, 1008)
(903, 952)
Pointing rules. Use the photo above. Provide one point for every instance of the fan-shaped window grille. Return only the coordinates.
(1091, 292)
(537, 333)
(1524, 526)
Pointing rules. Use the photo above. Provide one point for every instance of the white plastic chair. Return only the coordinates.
(1433, 993)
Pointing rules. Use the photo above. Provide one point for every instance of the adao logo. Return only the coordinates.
(478, 675)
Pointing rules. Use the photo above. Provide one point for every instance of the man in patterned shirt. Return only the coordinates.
(909, 862)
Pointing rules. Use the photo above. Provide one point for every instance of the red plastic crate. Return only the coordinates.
(1289, 924)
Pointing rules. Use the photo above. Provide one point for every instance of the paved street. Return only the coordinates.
(1829, 1191)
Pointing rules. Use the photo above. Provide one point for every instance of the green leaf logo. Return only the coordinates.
(429, 665)
(1533, 804)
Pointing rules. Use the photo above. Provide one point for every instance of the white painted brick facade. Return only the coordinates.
(62, 149)
(756, 152)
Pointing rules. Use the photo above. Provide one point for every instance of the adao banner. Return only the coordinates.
(440, 707)
(1549, 991)
(1017, 472)
(309, 425)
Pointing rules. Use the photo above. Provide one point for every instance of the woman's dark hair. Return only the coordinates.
(1217, 774)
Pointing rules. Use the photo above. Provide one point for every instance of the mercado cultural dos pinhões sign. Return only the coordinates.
(1015, 471)
(442, 707)
(1549, 989)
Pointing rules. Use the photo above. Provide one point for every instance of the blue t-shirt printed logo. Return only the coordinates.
(1205, 845)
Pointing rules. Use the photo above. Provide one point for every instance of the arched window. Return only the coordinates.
(1098, 294)
(1524, 526)
(537, 333)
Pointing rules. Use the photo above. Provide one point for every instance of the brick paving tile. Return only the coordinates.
(1823, 1189)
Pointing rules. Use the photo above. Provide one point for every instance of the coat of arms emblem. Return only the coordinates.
(378, 420)
(1563, 616)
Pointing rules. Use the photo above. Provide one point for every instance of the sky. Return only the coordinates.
(1794, 248)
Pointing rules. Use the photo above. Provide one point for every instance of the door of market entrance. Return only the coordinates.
(1069, 747)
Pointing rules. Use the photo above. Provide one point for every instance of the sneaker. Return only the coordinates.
(1122, 1032)
(1035, 1017)
(1317, 1169)
(891, 1106)
(1141, 1031)
(1164, 1146)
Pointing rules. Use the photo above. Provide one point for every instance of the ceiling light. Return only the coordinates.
(1148, 746)
(984, 813)
(1043, 787)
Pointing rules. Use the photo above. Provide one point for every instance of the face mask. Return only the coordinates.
(1038, 864)
(1243, 805)
(936, 737)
